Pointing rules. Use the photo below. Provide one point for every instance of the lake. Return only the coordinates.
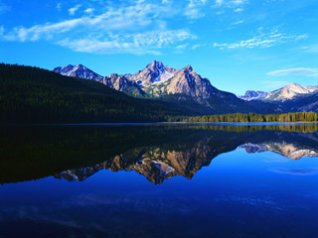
(159, 180)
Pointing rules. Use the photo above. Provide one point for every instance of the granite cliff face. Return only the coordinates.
(123, 84)
(154, 73)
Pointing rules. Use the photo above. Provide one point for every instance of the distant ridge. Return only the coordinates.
(287, 92)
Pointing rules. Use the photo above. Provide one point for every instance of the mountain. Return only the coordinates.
(123, 84)
(78, 71)
(288, 92)
(302, 103)
(184, 87)
(31, 94)
(155, 80)
(253, 95)
(154, 73)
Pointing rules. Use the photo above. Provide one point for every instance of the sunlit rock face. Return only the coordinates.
(154, 73)
(155, 80)
(123, 84)
(288, 92)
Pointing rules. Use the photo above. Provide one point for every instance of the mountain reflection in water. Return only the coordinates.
(156, 152)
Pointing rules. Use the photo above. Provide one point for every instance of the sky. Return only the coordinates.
(237, 44)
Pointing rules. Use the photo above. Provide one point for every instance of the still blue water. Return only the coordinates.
(262, 188)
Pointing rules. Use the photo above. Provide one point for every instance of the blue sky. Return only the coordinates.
(237, 44)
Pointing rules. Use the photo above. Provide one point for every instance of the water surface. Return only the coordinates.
(159, 181)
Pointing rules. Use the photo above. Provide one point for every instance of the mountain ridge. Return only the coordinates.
(285, 93)
(184, 86)
(155, 80)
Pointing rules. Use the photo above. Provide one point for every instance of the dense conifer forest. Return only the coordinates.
(252, 117)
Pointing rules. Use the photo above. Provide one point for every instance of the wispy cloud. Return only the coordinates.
(141, 43)
(182, 47)
(194, 10)
(237, 22)
(310, 72)
(237, 5)
(136, 28)
(89, 10)
(58, 6)
(166, 1)
(74, 9)
(132, 17)
(261, 40)
(310, 48)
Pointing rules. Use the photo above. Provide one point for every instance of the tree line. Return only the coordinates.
(252, 117)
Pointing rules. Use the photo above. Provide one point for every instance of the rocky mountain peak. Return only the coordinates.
(156, 66)
(288, 92)
(79, 71)
(188, 68)
(155, 72)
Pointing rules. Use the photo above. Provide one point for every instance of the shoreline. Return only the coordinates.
(87, 124)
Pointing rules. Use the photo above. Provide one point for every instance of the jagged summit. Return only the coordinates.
(188, 68)
(154, 72)
(156, 65)
(158, 80)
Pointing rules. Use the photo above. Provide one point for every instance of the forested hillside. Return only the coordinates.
(29, 94)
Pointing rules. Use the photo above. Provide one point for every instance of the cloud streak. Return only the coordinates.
(302, 71)
(310, 48)
(138, 28)
(261, 41)
(236, 5)
(142, 43)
